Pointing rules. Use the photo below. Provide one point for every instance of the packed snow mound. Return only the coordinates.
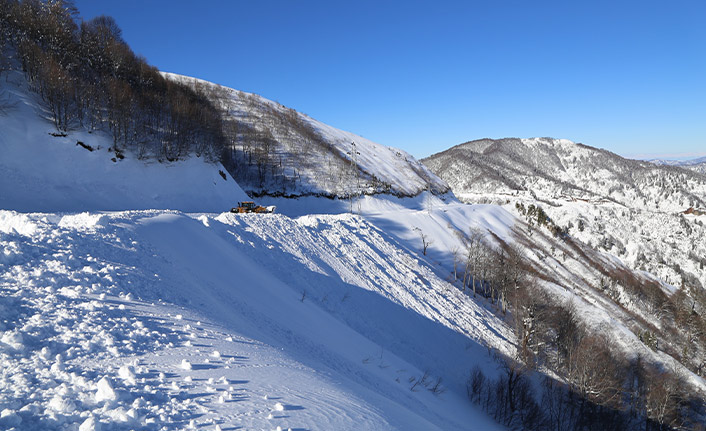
(43, 171)
(310, 157)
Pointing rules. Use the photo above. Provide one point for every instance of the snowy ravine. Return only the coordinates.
(165, 320)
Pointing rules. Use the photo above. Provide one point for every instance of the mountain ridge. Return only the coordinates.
(303, 156)
(551, 168)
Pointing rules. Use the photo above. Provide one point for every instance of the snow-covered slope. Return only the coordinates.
(628, 208)
(160, 319)
(569, 269)
(287, 152)
(311, 319)
(48, 173)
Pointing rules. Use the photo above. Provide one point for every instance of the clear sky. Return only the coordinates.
(627, 76)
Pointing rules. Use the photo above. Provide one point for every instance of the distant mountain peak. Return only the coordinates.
(547, 168)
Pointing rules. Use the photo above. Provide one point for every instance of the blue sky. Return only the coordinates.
(627, 76)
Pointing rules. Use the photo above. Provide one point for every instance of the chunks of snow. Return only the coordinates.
(105, 391)
(185, 365)
(14, 340)
(127, 373)
(61, 404)
(90, 424)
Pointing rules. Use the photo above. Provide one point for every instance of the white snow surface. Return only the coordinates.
(45, 173)
(320, 322)
(129, 301)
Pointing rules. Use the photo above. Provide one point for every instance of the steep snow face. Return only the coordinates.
(48, 173)
(162, 320)
(307, 156)
(567, 270)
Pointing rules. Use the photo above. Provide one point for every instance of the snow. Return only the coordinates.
(44, 173)
(130, 300)
(322, 171)
(104, 390)
(153, 318)
(106, 309)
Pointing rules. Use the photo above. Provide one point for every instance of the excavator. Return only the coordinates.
(252, 207)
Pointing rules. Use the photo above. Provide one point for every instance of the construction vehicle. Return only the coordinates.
(252, 207)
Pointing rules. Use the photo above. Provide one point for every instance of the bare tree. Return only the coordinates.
(456, 255)
(474, 255)
(426, 241)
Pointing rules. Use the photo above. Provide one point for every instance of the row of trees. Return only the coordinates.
(89, 77)
(597, 388)
(492, 273)
(649, 400)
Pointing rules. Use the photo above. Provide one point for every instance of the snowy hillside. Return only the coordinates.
(130, 298)
(160, 319)
(283, 152)
(44, 171)
(157, 319)
(558, 169)
(609, 299)
(628, 208)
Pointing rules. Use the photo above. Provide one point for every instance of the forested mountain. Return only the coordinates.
(277, 151)
(633, 209)
(647, 217)
(558, 169)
